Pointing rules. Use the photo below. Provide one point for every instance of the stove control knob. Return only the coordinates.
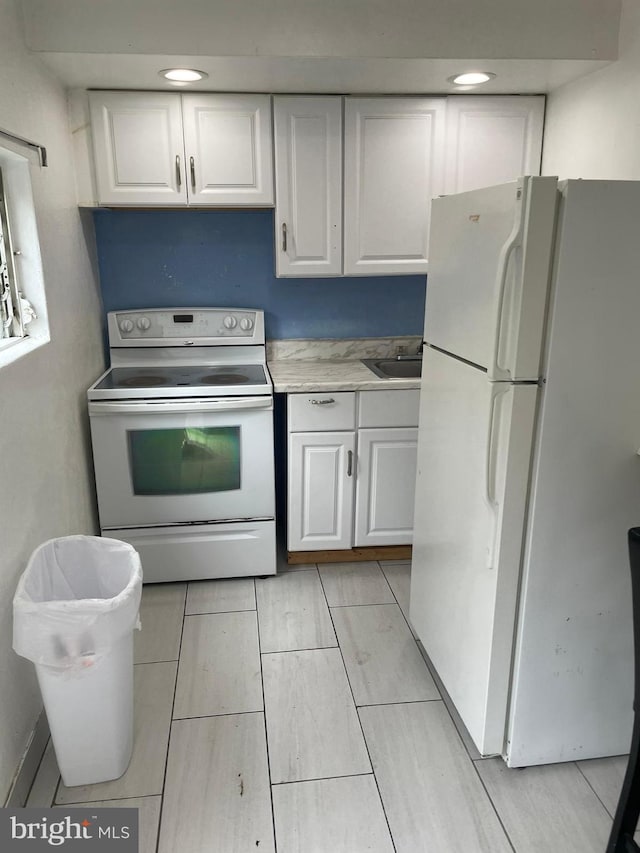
(143, 323)
(126, 326)
(246, 324)
(230, 322)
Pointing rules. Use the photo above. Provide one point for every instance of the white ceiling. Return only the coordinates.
(323, 45)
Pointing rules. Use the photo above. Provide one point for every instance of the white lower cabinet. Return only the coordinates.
(352, 463)
(386, 485)
(320, 490)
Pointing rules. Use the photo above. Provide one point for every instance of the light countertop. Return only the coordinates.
(335, 365)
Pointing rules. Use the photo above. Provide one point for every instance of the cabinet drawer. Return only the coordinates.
(310, 412)
(389, 408)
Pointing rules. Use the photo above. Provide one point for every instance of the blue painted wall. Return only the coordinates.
(162, 258)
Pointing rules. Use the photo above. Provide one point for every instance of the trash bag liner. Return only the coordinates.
(77, 597)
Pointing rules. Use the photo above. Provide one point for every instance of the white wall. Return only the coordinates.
(592, 126)
(45, 486)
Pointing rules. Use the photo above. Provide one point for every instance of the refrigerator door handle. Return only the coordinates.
(496, 371)
(490, 473)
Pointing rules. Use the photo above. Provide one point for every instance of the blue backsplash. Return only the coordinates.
(162, 258)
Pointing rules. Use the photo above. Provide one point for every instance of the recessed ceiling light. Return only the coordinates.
(471, 78)
(183, 75)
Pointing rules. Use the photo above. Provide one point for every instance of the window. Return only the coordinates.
(11, 325)
(23, 311)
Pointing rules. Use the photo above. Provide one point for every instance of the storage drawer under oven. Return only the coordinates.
(203, 551)
(183, 461)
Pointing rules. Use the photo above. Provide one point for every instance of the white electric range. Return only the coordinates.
(182, 435)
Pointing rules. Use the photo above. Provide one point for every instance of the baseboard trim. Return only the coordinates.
(28, 767)
(350, 555)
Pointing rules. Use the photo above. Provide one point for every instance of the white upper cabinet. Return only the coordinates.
(138, 146)
(169, 149)
(227, 142)
(491, 140)
(394, 166)
(308, 156)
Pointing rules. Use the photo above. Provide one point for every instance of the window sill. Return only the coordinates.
(14, 348)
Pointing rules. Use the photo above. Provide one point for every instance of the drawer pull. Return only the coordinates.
(349, 463)
(323, 402)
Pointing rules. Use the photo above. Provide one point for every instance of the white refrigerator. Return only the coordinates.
(528, 469)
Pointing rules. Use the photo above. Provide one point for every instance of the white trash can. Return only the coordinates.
(75, 610)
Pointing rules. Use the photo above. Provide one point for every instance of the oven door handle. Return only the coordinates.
(187, 406)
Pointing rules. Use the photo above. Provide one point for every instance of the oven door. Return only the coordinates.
(167, 462)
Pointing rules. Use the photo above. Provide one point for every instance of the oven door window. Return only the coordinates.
(184, 461)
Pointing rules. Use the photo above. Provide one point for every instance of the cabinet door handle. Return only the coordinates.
(349, 463)
(192, 167)
(284, 236)
(178, 176)
(324, 402)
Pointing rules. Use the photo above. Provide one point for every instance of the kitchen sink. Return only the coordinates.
(400, 367)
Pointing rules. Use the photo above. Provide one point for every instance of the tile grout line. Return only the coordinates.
(215, 716)
(429, 667)
(175, 689)
(83, 803)
(464, 745)
(266, 735)
(437, 682)
(592, 788)
(361, 604)
(364, 740)
(221, 612)
(406, 618)
(37, 773)
(393, 603)
(294, 651)
(403, 702)
(489, 797)
(323, 779)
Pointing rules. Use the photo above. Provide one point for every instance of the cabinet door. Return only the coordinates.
(228, 148)
(393, 164)
(386, 486)
(321, 469)
(491, 140)
(308, 155)
(138, 148)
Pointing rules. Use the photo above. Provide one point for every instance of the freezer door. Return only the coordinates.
(474, 450)
(488, 275)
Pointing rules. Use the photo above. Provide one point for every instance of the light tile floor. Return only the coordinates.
(295, 714)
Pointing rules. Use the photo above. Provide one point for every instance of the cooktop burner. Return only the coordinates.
(224, 379)
(142, 381)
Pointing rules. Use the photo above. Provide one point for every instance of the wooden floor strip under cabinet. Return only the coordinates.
(386, 552)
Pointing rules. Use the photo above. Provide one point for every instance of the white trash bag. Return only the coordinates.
(78, 596)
